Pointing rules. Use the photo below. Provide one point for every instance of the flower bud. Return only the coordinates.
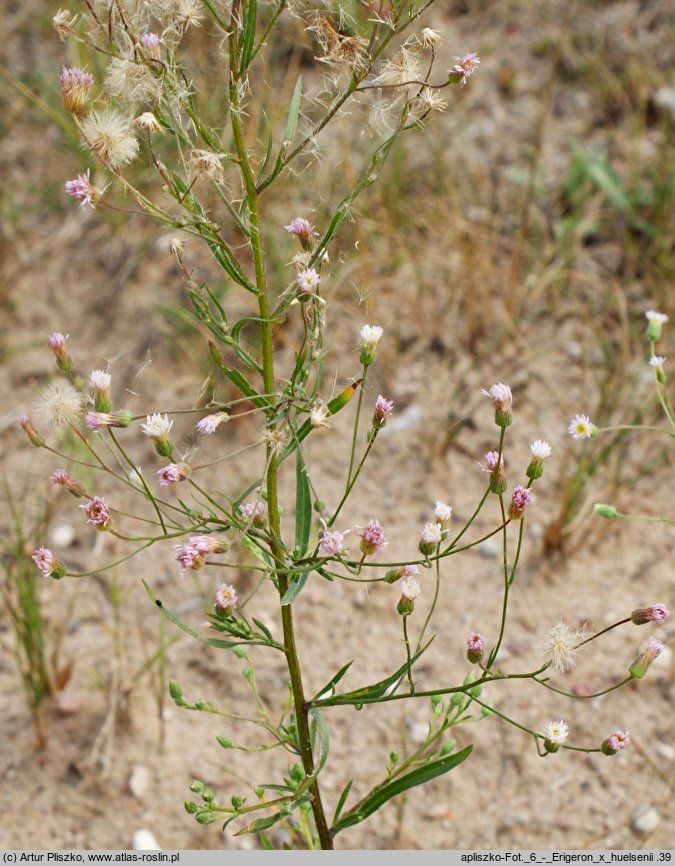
(615, 742)
(495, 466)
(474, 648)
(501, 397)
(60, 476)
(75, 87)
(604, 510)
(655, 322)
(31, 432)
(57, 343)
(540, 451)
(657, 613)
(383, 409)
(519, 502)
(649, 651)
(402, 571)
(370, 337)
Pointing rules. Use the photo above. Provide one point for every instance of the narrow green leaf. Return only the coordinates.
(380, 795)
(333, 406)
(330, 685)
(247, 37)
(303, 506)
(293, 111)
(295, 588)
(324, 740)
(261, 824)
(343, 798)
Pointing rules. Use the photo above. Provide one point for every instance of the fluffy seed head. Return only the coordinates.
(64, 23)
(60, 404)
(403, 72)
(108, 136)
(129, 81)
(204, 163)
(561, 647)
(319, 415)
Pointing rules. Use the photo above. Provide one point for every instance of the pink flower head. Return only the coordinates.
(492, 459)
(82, 189)
(98, 421)
(151, 43)
(47, 562)
(615, 742)
(255, 512)
(332, 542)
(383, 408)
(75, 86)
(210, 423)
(519, 502)
(372, 538)
(466, 66)
(225, 598)
(657, 613)
(98, 513)
(649, 650)
(61, 477)
(474, 647)
(303, 230)
(207, 544)
(308, 281)
(189, 557)
(171, 474)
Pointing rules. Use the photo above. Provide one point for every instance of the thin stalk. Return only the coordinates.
(407, 654)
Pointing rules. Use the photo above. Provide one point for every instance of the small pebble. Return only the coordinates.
(645, 820)
(62, 535)
(145, 841)
(489, 548)
(418, 732)
(69, 703)
(139, 781)
(665, 751)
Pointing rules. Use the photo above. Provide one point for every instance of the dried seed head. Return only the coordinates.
(206, 164)
(429, 38)
(64, 23)
(129, 81)
(403, 71)
(108, 136)
(148, 122)
(60, 405)
(561, 646)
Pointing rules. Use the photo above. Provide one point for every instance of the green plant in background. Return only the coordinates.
(208, 181)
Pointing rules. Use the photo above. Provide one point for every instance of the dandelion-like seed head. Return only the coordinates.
(276, 438)
(108, 136)
(403, 72)
(319, 416)
(431, 99)
(177, 246)
(60, 405)
(129, 81)
(204, 163)
(561, 647)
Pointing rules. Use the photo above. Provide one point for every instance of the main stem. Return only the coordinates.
(301, 708)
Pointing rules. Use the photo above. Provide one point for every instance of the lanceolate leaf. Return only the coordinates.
(380, 795)
(303, 506)
(247, 37)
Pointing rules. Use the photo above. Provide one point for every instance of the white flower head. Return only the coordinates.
(581, 427)
(540, 449)
(157, 426)
(410, 588)
(99, 380)
(655, 316)
(442, 512)
(371, 336)
(556, 732)
(657, 361)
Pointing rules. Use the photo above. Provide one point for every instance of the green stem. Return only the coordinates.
(407, 654)
(301, 709)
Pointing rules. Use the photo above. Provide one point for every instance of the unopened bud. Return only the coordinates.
(649, 651)
(31, 432)
(602, 509)
(57, 343)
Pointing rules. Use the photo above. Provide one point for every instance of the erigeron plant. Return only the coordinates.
(147, 108)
